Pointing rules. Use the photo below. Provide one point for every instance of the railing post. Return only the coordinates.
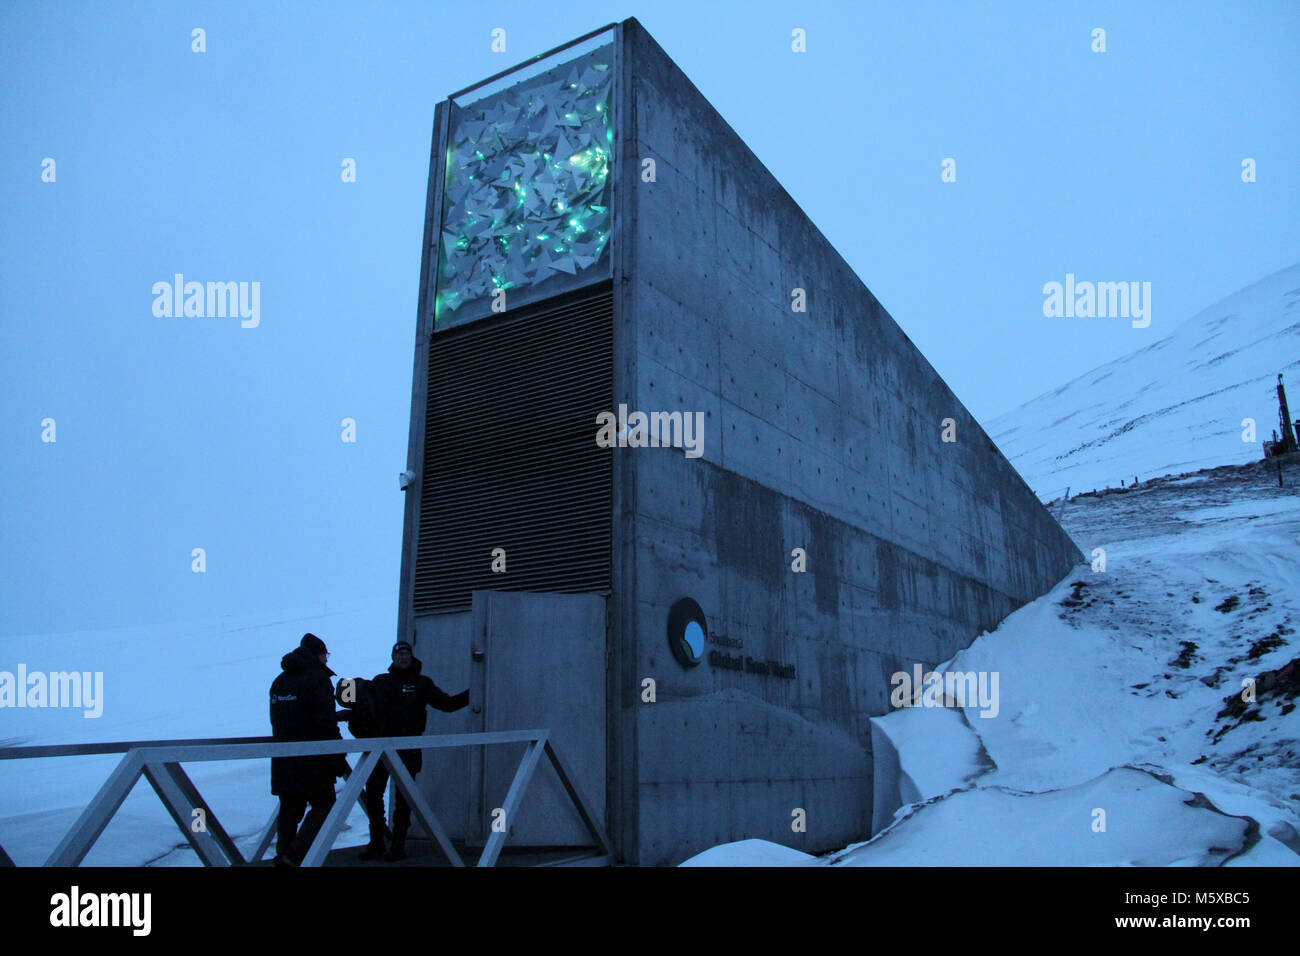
(571, 788)
(403, 782)
(74, 846)
(268, 834)
(196, 801)
(181, 807)
(533, 753)
(329, 830)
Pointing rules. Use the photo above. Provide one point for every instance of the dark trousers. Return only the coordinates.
(375, 787)
(291, 841)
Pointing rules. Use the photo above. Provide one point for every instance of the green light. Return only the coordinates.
(568, 188)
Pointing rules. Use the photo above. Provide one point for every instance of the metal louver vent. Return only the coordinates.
(510, 456)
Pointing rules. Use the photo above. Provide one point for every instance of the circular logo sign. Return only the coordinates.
(688, 632)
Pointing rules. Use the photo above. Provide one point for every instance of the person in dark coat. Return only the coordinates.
(398, 700)
(302, 708)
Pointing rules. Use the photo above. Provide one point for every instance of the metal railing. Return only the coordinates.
(159, 762)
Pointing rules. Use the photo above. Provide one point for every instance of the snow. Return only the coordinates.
(1148, 823)
(750, 853)
(1171, 407)
(1111, 691)
(208, 678)
(1089, 688)
(919, 754)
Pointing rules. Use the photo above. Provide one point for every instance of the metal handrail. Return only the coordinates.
(159, 762)
(117, 747)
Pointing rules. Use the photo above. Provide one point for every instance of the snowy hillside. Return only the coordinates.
(1171, 407)
(1121, 692)
(201, 679)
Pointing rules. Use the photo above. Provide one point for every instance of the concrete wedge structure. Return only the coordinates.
(704, 604)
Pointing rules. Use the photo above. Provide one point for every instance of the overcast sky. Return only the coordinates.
(175, 434)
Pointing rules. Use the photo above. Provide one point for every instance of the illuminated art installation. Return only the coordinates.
(527, 195)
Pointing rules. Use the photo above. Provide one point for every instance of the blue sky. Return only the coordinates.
(175, 434)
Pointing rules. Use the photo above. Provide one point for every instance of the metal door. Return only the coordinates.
(538, 662)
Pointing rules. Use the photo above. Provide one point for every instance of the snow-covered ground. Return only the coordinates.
(1119, 692)
(1172, 406)
(201, 679)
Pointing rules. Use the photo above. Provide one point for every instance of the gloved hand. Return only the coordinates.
(341, 766)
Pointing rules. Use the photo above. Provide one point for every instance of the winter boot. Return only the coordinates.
(375, 849)
(398, 850)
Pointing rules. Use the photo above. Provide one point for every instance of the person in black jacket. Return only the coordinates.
(302, 708)
(399, 699)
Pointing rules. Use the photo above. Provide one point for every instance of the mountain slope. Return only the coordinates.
(1173, 406)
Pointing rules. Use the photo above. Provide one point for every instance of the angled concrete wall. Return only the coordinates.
(822, 432)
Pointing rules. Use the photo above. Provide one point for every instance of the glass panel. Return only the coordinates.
(694, 638)
(526, 200)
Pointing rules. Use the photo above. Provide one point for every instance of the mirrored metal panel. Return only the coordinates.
(526, 197)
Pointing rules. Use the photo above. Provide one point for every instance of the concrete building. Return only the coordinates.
(597, 236)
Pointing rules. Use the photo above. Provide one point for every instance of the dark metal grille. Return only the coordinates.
(510, 456)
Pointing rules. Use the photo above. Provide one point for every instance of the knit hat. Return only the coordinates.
(402, 645)
(312, 643)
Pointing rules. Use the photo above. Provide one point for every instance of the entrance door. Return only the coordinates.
(538, 662)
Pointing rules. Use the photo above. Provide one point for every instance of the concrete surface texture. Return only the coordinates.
(823, 431)
(828, 531)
